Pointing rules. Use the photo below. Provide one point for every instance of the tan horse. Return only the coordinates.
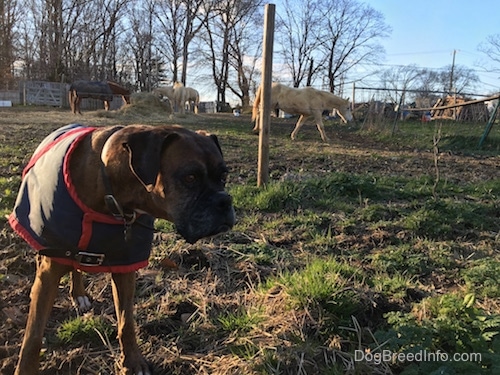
(304, 102)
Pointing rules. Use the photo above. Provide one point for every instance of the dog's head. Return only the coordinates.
(172, 173)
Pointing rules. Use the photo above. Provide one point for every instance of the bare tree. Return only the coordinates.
(179, 21)
(217, 40)
(399, 79)
(491, 48)
(9, 13)
(298, 37)
(169, 32)
(233, 47)
(197, 14)
(462, 80)
(350, 32)
(244, 52)
(140, 38)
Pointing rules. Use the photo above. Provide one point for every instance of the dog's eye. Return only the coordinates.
(190, 179)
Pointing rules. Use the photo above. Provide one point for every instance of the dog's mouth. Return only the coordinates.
(194, 237)
(192, 233)
(207, 224)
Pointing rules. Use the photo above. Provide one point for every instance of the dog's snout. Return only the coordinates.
(223, 201)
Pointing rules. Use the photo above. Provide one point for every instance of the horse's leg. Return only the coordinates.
(256, 127)
(319, 123)
(298, 125)
(71, 102)
(106, 105)
(78, 100)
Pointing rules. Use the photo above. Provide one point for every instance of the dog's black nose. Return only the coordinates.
(223, 201)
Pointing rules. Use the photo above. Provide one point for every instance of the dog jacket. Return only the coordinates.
(49, 215)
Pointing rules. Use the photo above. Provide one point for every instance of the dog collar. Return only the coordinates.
(112, 204)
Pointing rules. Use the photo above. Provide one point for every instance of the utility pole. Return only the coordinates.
(452, 70)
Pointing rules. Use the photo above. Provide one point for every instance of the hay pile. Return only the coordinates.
(146, 103)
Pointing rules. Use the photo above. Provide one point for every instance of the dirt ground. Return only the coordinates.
(205, 269)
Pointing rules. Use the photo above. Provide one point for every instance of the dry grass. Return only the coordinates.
(228, 308)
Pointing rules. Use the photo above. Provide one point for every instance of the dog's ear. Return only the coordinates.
(212, 136)
(144, 149)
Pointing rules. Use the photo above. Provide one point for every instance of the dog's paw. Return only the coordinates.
(138, 366)
(82, 303)
(142, 369)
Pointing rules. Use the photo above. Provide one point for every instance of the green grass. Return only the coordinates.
(84, 329)
(322, 282)
(241, 320)
(8, 193)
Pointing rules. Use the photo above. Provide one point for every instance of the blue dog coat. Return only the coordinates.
(49, 215)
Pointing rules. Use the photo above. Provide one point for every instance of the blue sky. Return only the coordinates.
(426, 32)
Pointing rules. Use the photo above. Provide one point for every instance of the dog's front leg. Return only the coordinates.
(123, 295)
(77, 291)
(43, 294)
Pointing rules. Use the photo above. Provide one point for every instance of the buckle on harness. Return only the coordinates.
(89, 259)
(114, 207)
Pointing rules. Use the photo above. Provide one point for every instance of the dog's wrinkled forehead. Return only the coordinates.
(195, 147)
(146, 149)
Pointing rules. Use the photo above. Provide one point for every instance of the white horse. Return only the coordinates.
(304, 102)
(183, 95)
(166, 92)
(192, 98)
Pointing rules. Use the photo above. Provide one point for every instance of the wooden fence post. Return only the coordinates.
(265, 112)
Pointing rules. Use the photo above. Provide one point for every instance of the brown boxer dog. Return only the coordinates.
(118, 179)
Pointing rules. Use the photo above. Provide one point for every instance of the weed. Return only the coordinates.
(450, 324)
(401, 259)
(324, 283)
(240, 321)
(83, 329)
(482, 277)
(8, 193)
(394, 286)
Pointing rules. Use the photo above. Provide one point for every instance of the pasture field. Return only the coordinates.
(375, 254)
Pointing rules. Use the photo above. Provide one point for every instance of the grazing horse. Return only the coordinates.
(79, 90)
(120, 90)
(183, 95)
(166, 92)
(179, 97)
(192, 98)
(304, 102)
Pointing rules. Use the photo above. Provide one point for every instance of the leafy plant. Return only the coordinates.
(483, 277)
(450, 324)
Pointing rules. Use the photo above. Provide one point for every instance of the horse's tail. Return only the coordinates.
(256, 104)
